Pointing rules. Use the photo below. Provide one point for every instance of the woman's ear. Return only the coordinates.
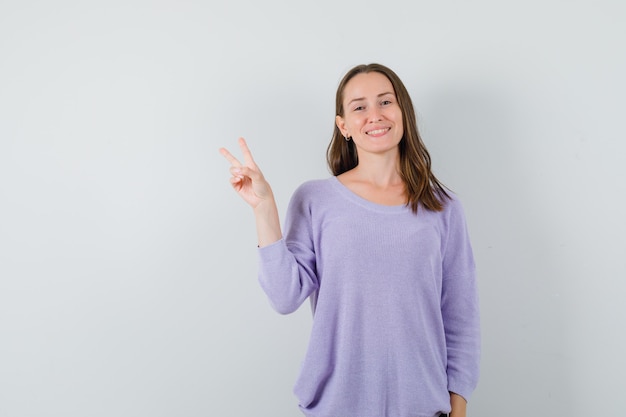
(341, 124)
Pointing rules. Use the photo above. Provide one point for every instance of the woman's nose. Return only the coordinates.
(374, 115)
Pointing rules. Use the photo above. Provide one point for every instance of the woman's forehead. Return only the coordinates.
(366, 85)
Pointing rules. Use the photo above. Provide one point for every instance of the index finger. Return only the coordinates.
(233, 161)
(247, 155)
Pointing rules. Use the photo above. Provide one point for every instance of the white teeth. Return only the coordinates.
(376, 132)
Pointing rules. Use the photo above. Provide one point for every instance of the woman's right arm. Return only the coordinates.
(249, 182)
(286, 274)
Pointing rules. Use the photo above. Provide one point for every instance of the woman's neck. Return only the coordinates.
(377, 180)
(379, 171)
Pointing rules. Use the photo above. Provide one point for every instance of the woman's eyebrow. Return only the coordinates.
(363, 98)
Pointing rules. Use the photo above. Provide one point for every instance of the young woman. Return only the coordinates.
(382, 252)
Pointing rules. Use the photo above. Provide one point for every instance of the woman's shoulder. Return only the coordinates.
(453, 209)
(450, 200)
(313, 187)
(314, 192)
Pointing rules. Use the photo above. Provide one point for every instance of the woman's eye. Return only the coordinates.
(386, 102)
(358, 108)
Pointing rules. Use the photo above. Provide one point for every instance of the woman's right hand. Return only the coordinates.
(250, 184)
(247, 179)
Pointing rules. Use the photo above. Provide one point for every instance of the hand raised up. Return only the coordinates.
(247, 178)
(250, 184)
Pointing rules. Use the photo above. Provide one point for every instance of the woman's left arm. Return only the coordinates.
(459, 306)
(458, 404)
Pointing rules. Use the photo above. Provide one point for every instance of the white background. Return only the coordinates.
(128, 265)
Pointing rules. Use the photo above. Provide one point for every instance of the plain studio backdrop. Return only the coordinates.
(128, 265)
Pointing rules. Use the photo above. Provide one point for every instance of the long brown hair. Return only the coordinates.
(422, 186)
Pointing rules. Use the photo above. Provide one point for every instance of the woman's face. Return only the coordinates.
(372, 116)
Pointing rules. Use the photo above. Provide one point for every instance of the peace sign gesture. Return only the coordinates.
(247, 179)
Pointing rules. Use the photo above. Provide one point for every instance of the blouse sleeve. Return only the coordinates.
(459, 305)
(287, 268)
